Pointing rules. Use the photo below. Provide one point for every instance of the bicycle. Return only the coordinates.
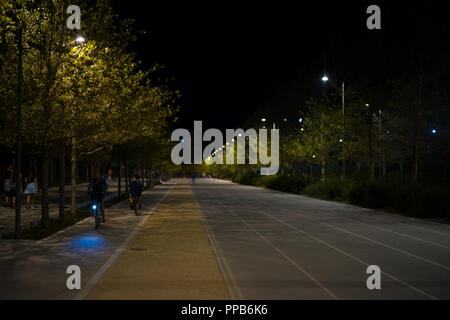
(95, 208)
(134, 205)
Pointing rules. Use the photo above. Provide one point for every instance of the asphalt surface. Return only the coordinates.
(274, 245)
(260, 244)
(37, 269)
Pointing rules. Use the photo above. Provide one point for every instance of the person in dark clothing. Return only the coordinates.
(97, 188)
(136, 188)
(10, 186)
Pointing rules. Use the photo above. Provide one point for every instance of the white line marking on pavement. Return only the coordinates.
(279, 251)
(233, 288)
(398, 233)
(380, 218)
(96, 277)
(344, 253)
(368, 239)
(434, 231)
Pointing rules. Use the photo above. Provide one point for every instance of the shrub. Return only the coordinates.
(330, 189)
(412, 199)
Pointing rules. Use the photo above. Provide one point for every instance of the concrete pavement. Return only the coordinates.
(282, 246)
(32, 216)
(37, 269)
(220, 240)
(170, 257)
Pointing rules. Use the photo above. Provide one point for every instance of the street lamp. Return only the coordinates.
(434, 131)
(325, 79)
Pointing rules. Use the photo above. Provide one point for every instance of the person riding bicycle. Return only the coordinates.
(136, 188)
(97, 188)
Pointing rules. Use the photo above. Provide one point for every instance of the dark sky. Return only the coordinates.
(227, 56)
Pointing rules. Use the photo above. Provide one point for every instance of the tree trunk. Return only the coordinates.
(119, 180)
(323, 171)
(416, 165)
(73, 179)
(372, 170)
(44, 185)
(126, 177)
(62, 178)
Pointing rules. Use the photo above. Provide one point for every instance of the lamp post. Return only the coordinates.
(19, 131)
(62, 171)
(325, 79)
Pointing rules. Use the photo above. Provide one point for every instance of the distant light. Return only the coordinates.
(264, 127)
(434, 131)
(220, 148)
(300, 120)
(340, 140)
(324, 78)
(80, 39)
(240, 135)
(228, 143)
(232, 140)
(314, 157)
(181, 140)
(94, 207)
(302, 129)
(263, 120)
(367, 105)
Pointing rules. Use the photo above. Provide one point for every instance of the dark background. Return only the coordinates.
(228, 57)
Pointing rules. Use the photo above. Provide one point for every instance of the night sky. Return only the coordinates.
(226, 58)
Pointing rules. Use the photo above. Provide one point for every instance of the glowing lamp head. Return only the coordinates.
(325, 79)
(94, 206)
(80, 39)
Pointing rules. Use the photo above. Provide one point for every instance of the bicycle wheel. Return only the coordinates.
(135, 207)
(97, 220)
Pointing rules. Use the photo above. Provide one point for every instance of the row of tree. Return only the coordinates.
(81, 90)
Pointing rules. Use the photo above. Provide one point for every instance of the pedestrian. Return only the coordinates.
(30, 189)
(8, 183)
(193, 178)
(109, 178)
(12, 187)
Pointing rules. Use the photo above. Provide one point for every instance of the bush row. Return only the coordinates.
(416, 200)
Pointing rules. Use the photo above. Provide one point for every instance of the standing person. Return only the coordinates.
(31, 190)
(109, 176)
(7, 184)
(13, 189)
(97, 188)
(193, 178)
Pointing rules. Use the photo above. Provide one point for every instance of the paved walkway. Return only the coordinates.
(164, 253)
(220, 240)
(170, 257)
(32, 216)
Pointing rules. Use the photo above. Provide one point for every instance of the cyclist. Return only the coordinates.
(97, 188)
(136, 188)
